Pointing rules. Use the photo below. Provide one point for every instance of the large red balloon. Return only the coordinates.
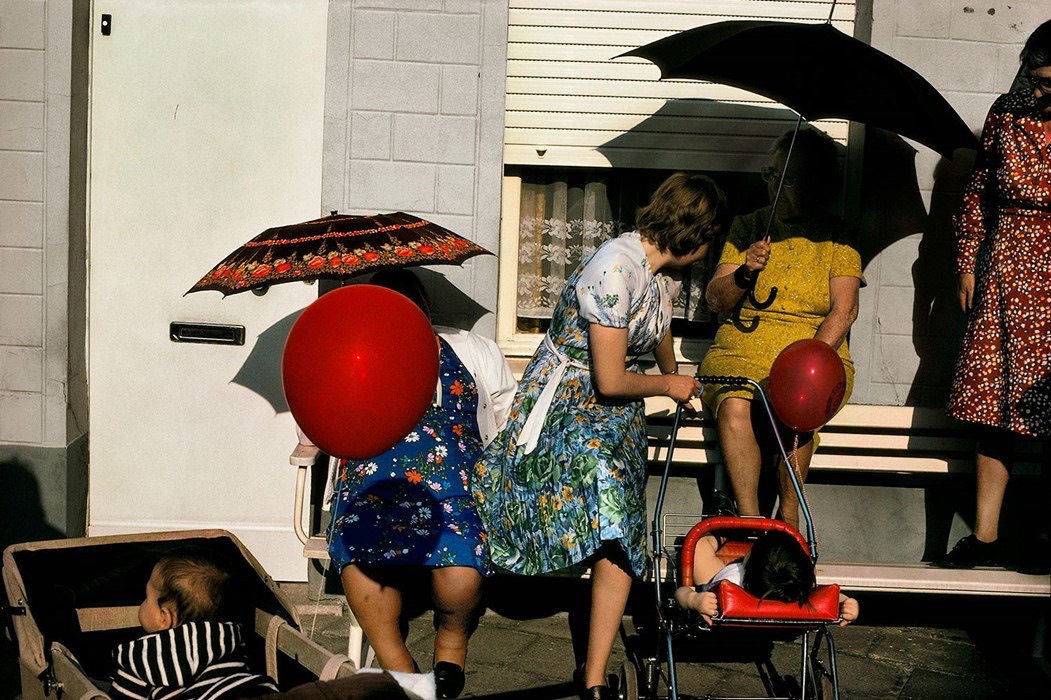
(807, 383)
(359, 370)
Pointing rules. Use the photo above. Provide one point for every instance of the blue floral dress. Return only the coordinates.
(563, 478)
(411, 505)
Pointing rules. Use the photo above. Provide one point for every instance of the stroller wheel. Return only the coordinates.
(628, 682)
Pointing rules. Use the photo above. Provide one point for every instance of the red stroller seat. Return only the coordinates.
(739, 607)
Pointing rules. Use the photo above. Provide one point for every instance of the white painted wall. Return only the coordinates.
(206, 127)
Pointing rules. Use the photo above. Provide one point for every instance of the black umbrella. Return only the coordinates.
(816, 70)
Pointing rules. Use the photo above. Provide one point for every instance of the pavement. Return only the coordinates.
(923, 647)
(902, 646)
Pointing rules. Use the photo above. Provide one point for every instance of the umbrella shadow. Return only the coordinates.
(261, 371)
(730, 130)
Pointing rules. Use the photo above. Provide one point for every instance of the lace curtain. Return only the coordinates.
(565, 215)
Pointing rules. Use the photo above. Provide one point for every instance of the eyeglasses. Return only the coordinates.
(1036, 81)
(773, 175)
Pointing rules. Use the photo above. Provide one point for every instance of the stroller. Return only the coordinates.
(740, 613)
(70, 602)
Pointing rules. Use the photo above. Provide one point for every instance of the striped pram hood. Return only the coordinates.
(193, 661)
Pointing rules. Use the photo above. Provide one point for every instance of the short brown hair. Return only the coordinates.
(196, 582)
(687, 211)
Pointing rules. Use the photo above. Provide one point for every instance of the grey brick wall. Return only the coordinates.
(906, 339)
(414, 117)
(23, 262)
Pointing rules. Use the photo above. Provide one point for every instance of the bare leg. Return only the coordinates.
(992, 477)
(610, 586)
(789, 500)
(740, 452)
(378, 609)
(457, 595)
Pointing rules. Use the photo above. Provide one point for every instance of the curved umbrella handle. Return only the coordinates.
(761, 304)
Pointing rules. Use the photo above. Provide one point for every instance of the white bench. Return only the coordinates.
(873, 439)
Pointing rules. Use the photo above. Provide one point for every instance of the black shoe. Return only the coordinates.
(721, 504)
(448, 679)
(595, 692)
(970, 552)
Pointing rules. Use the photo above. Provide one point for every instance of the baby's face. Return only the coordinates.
(152, 616)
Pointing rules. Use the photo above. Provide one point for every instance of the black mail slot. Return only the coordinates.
(219, 333)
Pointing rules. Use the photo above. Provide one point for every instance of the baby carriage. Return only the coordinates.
(740, 613)
(70, 602)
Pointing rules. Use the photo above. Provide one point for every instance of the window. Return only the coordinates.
(587, 138)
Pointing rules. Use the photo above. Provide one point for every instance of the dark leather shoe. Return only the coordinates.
(597, 692)
(448, 679)
(968, 553)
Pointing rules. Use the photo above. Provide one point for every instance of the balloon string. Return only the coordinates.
(793, 464)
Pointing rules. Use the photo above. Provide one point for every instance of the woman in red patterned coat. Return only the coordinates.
(1003, 237)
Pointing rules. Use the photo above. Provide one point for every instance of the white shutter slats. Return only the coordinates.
(546, 12)
(567, 98)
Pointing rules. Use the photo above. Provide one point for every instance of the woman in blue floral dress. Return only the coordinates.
(563, 483)
(408, 512)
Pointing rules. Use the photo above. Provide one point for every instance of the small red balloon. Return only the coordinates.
(359, 370)
(807, 384)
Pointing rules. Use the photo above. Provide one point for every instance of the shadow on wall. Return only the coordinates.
(891, 209)
(261, 371)
(21, 510)
(21, 520)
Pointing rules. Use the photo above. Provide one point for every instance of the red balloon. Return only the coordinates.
(807, 383)
(359, 370)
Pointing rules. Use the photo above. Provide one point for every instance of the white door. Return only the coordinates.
(206, 128)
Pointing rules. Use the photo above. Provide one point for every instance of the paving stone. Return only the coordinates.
(931, 685)
(525, 652)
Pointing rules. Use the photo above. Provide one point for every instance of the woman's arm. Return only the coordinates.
(609, 348)
(730, 282)
(664, 354)
(843, 291)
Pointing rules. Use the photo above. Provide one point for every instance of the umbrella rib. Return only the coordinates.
(334, 234)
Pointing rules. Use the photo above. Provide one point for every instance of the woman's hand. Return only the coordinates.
(757, 256)
(965, 290)
(682, 388)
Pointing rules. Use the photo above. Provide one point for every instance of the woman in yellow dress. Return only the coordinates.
(814, 263)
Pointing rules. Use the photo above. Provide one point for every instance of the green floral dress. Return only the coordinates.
(563, 478)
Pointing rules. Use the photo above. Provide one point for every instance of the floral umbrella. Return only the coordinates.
(336, 247)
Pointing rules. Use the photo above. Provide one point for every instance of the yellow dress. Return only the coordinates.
(804, 256)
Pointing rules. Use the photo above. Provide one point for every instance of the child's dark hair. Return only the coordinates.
(779, 568)
(197, 582)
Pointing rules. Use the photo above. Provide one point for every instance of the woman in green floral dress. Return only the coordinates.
(563, 483)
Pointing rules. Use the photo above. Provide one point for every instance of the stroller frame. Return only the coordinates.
(672, 621)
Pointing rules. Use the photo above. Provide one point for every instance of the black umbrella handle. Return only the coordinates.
(761, 304)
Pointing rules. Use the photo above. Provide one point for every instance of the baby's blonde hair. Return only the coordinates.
(195, 582)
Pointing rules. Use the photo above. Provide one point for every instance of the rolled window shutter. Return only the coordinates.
(570, 104)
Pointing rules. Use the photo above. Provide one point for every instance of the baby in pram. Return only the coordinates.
(776, 567)
(191, 647)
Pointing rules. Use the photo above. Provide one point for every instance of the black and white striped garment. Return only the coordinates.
(193, 661)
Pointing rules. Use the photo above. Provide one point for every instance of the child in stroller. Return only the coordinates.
(191, 648)
(776, 567)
